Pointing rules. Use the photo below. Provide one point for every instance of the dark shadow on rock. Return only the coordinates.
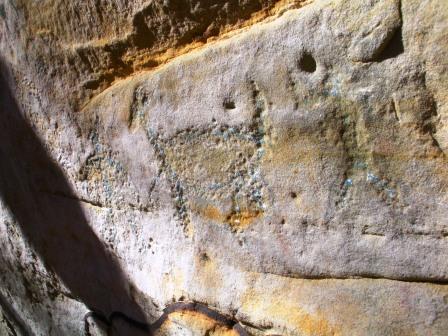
(394, 47)
(14, 321)
(56, 227)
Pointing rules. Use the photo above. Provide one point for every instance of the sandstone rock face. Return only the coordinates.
(252, 167)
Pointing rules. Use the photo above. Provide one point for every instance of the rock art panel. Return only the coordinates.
(224, 168)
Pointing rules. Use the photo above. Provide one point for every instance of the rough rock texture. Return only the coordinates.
(251, 167)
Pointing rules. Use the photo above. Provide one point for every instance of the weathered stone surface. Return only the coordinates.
(224, 168)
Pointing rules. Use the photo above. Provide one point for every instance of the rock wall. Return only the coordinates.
(201, 167)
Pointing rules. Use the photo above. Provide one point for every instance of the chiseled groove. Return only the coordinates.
(360, 276)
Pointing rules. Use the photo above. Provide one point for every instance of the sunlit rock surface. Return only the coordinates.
(252, 167)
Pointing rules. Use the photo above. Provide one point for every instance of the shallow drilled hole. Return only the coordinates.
(228, 104)
(204, 257)
(307, 63)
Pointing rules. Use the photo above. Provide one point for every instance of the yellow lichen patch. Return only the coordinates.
(201, 161)
(174, 281)
(207, 272)
(242, 219)
(290, 317)
(235, 219)
(295, 148)
(315, 325)
(193, 323)
(306, 323)
(211, 212)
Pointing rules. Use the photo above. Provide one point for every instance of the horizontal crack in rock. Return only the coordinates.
(433, 281)
(203, 309)
(129, 207)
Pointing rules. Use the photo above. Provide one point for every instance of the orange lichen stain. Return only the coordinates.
(242, 219)
(288, 315)
(235, 219)
(310, 324)
(194, 323)
(212, 213)
(155, 60)
(315, 325)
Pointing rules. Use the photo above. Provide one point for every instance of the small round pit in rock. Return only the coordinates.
(228, 104)
(307, 63)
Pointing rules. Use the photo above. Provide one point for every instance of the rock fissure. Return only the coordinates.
(128, 207)
(137, 51)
